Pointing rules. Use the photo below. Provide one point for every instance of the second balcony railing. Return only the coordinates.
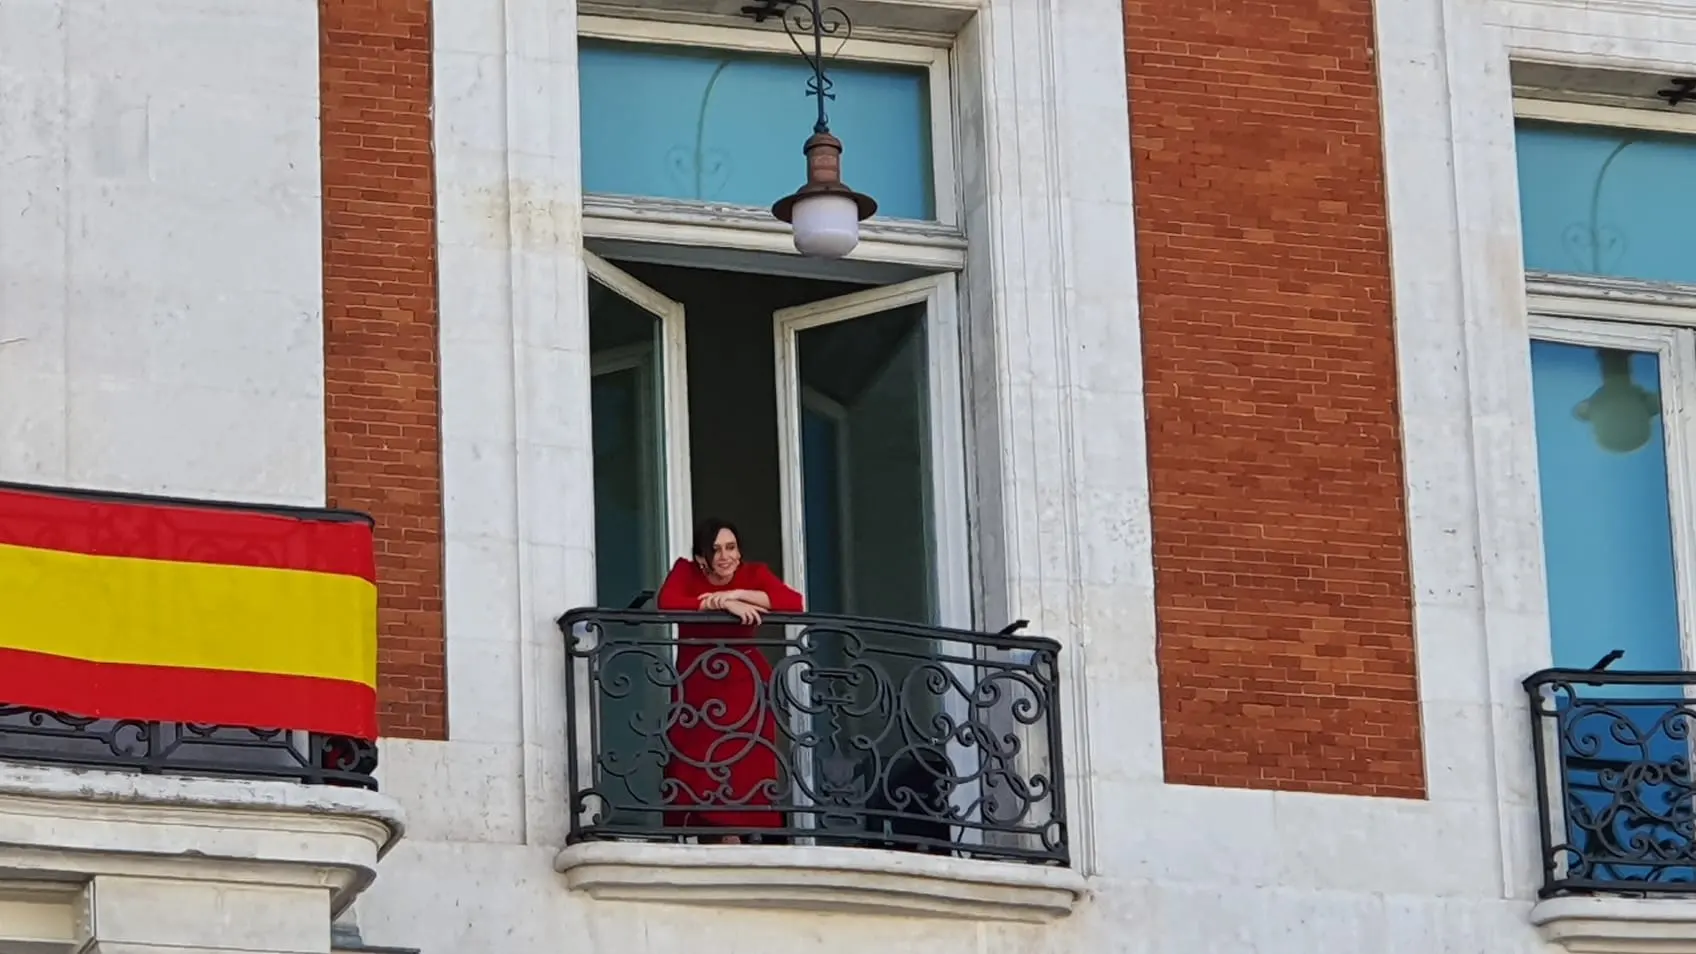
(1615, 795)
(813, 729)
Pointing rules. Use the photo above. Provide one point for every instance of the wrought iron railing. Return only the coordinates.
(1615, 793)
(814, 729)
(39, 737)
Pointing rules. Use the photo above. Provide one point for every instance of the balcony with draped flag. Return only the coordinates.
(187, 689)
(183, 637)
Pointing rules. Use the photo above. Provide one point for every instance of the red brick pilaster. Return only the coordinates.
(381, 397)
(1280, 544)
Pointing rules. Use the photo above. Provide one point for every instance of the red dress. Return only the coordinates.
(723, 730)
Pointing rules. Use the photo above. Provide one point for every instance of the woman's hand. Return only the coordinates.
(747, 613)
(719, 598)
(734, 603)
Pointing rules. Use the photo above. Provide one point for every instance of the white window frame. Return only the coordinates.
(1594, 114)
(929, 246)
(1548, 285)
(1638, 316)
(672, 371)
(1634, 315)
(676, 232)
(1675, 351)
(946, 410)
(1563, 317)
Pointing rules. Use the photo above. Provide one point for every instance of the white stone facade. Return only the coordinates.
(160, 331)
(160, 249)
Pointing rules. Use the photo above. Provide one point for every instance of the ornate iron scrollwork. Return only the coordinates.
(1615, 795)
(178, 748)
(828, 729)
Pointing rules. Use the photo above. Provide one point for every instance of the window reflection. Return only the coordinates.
(1606, 525)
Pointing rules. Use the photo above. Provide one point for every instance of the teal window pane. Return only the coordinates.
(1607, 531)
(722, 126)
(1607, 201)
(1607, 540)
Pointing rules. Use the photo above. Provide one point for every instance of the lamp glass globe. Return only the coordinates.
(826, 226)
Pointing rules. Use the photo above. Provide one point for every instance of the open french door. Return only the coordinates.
(870, 447)
(640, 408)
(640, 412)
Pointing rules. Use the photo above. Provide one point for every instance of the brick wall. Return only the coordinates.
(381, 401)
(1284, 604)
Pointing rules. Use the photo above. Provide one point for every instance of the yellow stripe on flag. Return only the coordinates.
(192, 615)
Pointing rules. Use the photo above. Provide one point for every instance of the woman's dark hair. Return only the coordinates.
(706, 534)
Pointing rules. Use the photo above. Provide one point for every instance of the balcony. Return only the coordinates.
(44, 737)
(187, 688)
(187, 637)
(1616, 808)
(817, 760)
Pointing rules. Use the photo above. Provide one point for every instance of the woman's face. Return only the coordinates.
(727, 556)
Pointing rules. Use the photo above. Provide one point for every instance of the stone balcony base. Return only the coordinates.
(111, 863)
(1615, 925)
(825, 879)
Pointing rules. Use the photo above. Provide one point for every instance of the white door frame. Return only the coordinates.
(947, 492)
(952, 583)
(674, 395)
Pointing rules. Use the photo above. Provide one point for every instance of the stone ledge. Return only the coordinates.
(58, 823)
(1611, 925)
(853, 880)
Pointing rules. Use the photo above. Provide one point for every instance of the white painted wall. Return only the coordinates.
(160, 294)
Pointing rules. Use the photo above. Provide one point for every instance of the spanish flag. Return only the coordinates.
(125, 607)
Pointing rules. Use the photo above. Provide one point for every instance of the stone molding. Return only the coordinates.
(59, 825)
(852, 880)
(1596, 925)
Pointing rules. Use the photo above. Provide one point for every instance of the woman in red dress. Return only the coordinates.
(723, 769)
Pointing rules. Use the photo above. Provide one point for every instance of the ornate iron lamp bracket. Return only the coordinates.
(811, 26)
(1683, 88)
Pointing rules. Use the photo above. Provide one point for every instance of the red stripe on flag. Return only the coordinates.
(178, 694)
(183, 533)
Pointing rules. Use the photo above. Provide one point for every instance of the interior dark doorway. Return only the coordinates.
(774, 400)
